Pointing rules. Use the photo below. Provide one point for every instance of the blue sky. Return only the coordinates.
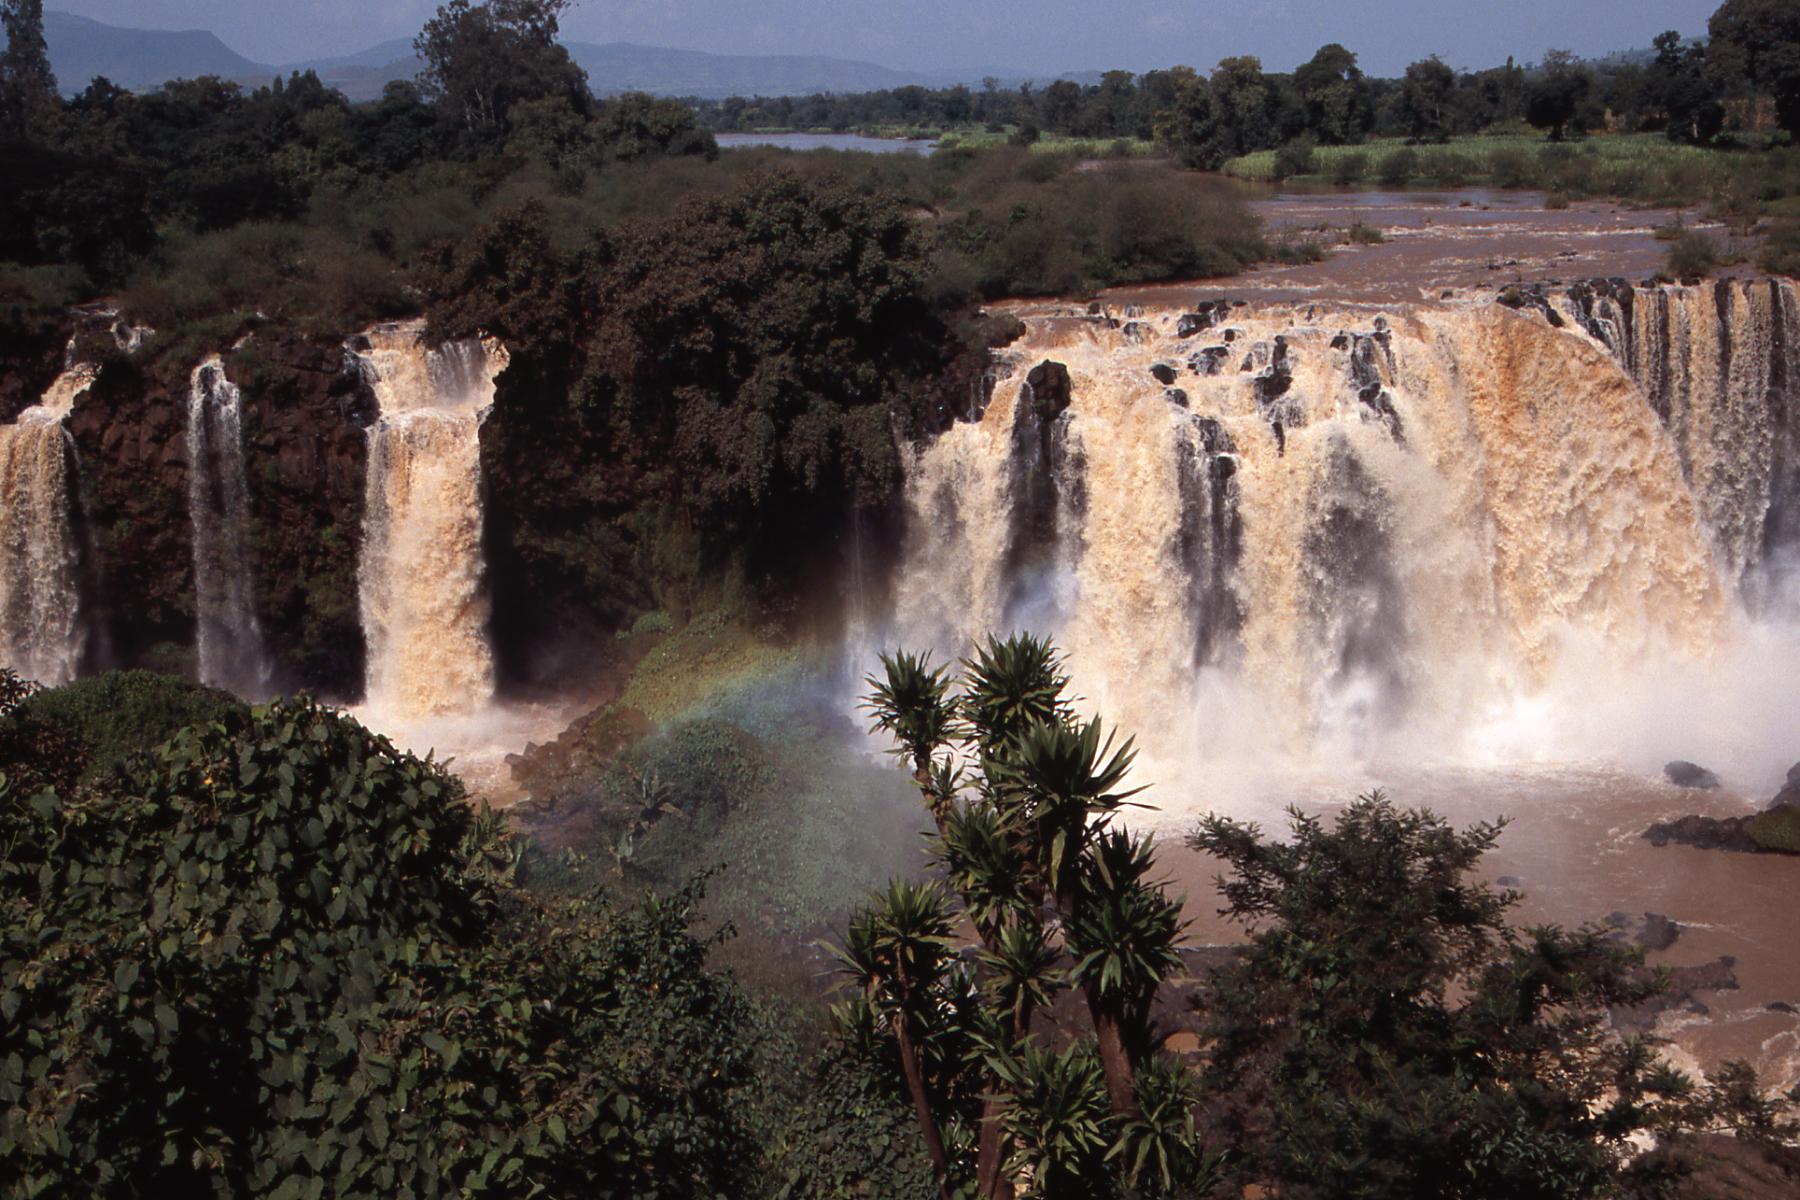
(1029, 36)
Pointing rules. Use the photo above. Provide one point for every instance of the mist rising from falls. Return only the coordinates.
(40, 636)
(1450, 534)
(420, 579)
(229, 638)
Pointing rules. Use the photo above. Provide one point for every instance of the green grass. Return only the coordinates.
(1497, 155)
(1053, 143)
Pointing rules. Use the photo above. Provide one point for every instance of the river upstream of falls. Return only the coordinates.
(1498, 562)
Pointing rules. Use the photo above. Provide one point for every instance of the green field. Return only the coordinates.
(1640, 165)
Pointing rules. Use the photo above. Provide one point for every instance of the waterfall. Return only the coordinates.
(1718, 363)
(40, 636)
(1442, 533)
(420, 580)
(227, 634)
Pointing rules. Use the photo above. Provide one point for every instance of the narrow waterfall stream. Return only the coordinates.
(230, 641)
(40, 630)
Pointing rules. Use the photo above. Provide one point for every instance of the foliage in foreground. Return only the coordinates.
(1023, 794)
(1389, 1033)
(279, 958)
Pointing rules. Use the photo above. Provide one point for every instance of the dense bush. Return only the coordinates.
(283, 959)
(108, 717)
(1388, 1033)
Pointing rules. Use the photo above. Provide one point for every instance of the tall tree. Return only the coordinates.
(481, 59)
(1334, 96)
(1557, 95)
(27, 85)
(1425, 95)
(1755, 44)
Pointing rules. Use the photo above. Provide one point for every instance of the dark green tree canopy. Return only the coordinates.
(1425, 97)
(482, 59)
(1335, 96)
(1755, 45)
(27, 85)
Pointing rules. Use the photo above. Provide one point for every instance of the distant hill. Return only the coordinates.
(140, 59)
(81, 49)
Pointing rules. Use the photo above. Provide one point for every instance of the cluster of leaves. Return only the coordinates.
(1023, 795)
(278, 957)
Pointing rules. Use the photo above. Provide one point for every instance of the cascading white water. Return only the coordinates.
(227, 633)
(40, 635)
(420, 578)
(1445, 534)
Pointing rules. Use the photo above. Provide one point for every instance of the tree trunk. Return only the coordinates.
(991, 1181)
(915, 1083)
(1115, 1060)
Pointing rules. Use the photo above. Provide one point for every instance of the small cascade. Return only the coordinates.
(420, 581)
(227, 634)
(40, 633)
(1344, 535)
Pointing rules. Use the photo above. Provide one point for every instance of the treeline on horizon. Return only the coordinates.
(1676, 88)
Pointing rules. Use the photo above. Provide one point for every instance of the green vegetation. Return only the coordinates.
(111, 716)
(280, 958)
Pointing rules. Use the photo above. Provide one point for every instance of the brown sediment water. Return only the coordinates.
(1437, 241)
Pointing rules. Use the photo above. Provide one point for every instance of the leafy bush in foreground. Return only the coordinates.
(286, 960)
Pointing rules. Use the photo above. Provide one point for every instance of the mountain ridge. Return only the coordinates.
(82, 48)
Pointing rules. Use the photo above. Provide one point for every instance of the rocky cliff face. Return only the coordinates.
(306, 409)
(130, 432)
(31, 353)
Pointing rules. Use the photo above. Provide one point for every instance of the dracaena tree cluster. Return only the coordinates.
(1040, 893)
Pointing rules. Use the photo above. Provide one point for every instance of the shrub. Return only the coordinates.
(1777, 829)
(1693, 255)
(1401, 1033)
(1398, 167)
(121, 712)
(288, 960)
(1364, 235)
(1556, 201)
(1346, 169)
(1295, 158)
(1511, 168)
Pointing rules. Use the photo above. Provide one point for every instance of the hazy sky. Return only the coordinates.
(1029, 36)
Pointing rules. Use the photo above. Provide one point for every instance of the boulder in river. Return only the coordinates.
(1690, 775)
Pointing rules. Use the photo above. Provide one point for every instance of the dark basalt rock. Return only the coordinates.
(1050, 389)
(1720, 975)
(1210, 361)
(1176, 396)
(1136, 332)
(1230, 335)
(1652, 931)
(1165, 374)
(1690, 775)
(1707, 833)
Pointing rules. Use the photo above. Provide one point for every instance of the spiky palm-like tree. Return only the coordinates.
(1010, 686)
(1063, 783)
(1123, 938)
(910, 702)
(1059, 1119)
(1158, 1147)
(896, 950)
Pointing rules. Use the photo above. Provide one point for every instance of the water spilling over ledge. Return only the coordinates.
(420, 581)
(228, 636)
(1341, 535)
(40, 635)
